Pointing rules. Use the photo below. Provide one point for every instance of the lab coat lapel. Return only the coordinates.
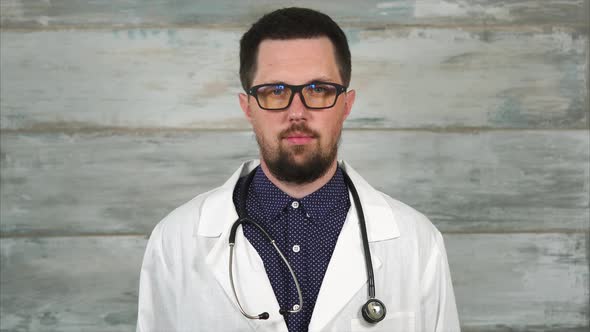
(345, 276)
(346, 273)
(251, 282)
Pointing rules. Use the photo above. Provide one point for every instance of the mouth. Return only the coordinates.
(299, 138)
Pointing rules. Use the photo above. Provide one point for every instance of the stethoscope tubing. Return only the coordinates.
(232, 237)
(363, 226)
(243, 218)
(231, 280)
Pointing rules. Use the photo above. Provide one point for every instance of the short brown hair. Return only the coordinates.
(292, 23)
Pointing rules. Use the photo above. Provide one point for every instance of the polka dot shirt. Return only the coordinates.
(305, 230)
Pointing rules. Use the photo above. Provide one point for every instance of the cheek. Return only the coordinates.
(267, 125)
(333, 127)
(335, 133)
(265, 132)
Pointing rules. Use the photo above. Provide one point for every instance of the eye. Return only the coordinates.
(272, 91)
(278, 90)
(315, 88)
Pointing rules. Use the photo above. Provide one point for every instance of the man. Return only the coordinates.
(295, 70)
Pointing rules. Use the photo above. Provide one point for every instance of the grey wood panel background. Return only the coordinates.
(406, 78)
(70, 284)
(481, 182)
(113, 113)
(31, 14)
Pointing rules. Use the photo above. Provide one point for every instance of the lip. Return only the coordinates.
(297, 138)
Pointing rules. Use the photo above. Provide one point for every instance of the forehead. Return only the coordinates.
(296, 61)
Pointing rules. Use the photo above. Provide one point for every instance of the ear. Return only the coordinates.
(245, 105)
(349, 97)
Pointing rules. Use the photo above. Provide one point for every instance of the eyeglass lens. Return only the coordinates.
(277, 96)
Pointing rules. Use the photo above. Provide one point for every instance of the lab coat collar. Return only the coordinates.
(343, 278)
(218, 212)
(380, 220)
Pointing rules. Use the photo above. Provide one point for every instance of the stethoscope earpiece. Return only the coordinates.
(373, 311)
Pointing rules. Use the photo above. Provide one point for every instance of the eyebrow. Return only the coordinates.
(317, 79)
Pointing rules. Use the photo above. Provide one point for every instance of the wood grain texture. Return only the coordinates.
(70, 285)
(520, 282)
(405, 78)
(90, 284)
(512, 181)
(32, 14)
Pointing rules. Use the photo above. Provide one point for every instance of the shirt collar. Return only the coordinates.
(332, 195)
(215, 211)
(268, 197)
(273, 200)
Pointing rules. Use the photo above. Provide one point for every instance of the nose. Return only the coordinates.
(297, 110)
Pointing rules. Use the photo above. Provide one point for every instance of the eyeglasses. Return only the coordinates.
(278, 96)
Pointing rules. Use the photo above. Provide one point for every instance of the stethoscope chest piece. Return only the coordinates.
(373, 311)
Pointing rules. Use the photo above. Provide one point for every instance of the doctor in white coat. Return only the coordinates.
(184, 282)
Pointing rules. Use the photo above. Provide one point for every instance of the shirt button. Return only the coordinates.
(296, 307)
(296, 248)
(295, 204)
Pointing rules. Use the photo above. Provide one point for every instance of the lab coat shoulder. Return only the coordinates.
(184, 218)
(178, 227)
(165, 257)
(173, 257)
(437, 295)
(415, 227)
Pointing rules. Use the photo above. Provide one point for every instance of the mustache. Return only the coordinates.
(299, 128)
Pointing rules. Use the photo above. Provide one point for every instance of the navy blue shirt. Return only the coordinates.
(305, 230)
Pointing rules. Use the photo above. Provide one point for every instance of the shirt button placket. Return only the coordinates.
(296, 257)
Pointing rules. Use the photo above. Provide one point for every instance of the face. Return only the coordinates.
(298, 145)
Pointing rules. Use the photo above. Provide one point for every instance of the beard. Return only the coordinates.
(282, 161)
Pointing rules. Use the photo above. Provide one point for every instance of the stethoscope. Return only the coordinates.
(373, 310)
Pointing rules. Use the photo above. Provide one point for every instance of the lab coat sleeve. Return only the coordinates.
(157, 304)
(438, 299)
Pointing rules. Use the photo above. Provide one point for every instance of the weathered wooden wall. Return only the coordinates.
(113, 113)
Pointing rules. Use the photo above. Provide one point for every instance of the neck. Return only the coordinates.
(299, 191)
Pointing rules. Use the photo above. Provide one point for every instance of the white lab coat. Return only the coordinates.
(184, 283)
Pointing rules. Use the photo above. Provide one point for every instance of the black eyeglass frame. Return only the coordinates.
(340, 89)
